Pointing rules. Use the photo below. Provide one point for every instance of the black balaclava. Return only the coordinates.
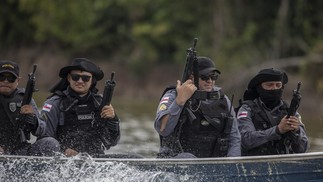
(271, 98)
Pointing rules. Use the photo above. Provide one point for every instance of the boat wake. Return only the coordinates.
(78, 169)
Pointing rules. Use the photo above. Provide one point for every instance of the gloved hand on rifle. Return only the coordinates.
(28, 117)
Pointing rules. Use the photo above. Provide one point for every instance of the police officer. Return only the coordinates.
(17, 122)
(264, 127)
(212, 133)
(72, 112)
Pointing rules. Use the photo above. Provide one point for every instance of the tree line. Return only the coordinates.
(142, 33)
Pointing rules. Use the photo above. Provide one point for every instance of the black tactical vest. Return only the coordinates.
(267, 121)
(207, 135)
(79, 131)
(9, 110)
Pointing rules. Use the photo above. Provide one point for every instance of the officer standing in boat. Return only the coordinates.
(72, 112)
(18, 121)
(263, 123)
(212, 133)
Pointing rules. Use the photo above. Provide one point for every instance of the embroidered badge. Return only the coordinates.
(162, 107)
(242, 114)
(47, 107)
(12, 106)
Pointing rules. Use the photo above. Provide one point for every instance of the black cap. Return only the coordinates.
(10, 67)
(82, 64)
(268, 74)
(206, 66)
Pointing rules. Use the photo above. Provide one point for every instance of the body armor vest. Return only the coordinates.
(205, 136)
(263, 120)
(79, 129)
(9, 111)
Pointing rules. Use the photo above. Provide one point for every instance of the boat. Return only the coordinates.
(288, 167)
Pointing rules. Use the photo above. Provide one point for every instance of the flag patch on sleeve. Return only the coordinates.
(164, 100)
(242, 114)
(47, 107)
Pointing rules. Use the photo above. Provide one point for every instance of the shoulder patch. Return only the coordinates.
(164, 100)
(242, 114)
(162, 107)
(47, 107)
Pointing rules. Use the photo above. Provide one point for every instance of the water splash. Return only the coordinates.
(78, 170)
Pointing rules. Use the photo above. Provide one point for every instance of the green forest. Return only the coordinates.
(146, 41)
(137, 32)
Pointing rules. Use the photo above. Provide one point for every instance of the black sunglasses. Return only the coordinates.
(10, 78)
(76, 77)
(207, 77)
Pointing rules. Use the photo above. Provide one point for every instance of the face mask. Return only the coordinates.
(271, 98)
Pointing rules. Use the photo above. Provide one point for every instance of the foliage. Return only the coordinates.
(143, 32)
(15, 26)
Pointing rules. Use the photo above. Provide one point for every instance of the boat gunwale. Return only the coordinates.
(222, 160)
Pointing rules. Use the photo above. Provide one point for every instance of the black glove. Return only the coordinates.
(30, 121)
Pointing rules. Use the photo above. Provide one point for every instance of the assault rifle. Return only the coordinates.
(107, 97)
(191, 65)
(294, 104)
(191, 68)
(29, 90)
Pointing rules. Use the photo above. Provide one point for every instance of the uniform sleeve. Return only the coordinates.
(50, 114)
(168, 106)
(235, 137)
(111, 131)
(250, 137)
(300, 142)
(41, 127)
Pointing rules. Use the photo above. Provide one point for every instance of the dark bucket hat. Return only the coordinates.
(206, 65)
(82, 64)
(268, 74)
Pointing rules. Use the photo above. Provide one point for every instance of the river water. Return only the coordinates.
(137, 137)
